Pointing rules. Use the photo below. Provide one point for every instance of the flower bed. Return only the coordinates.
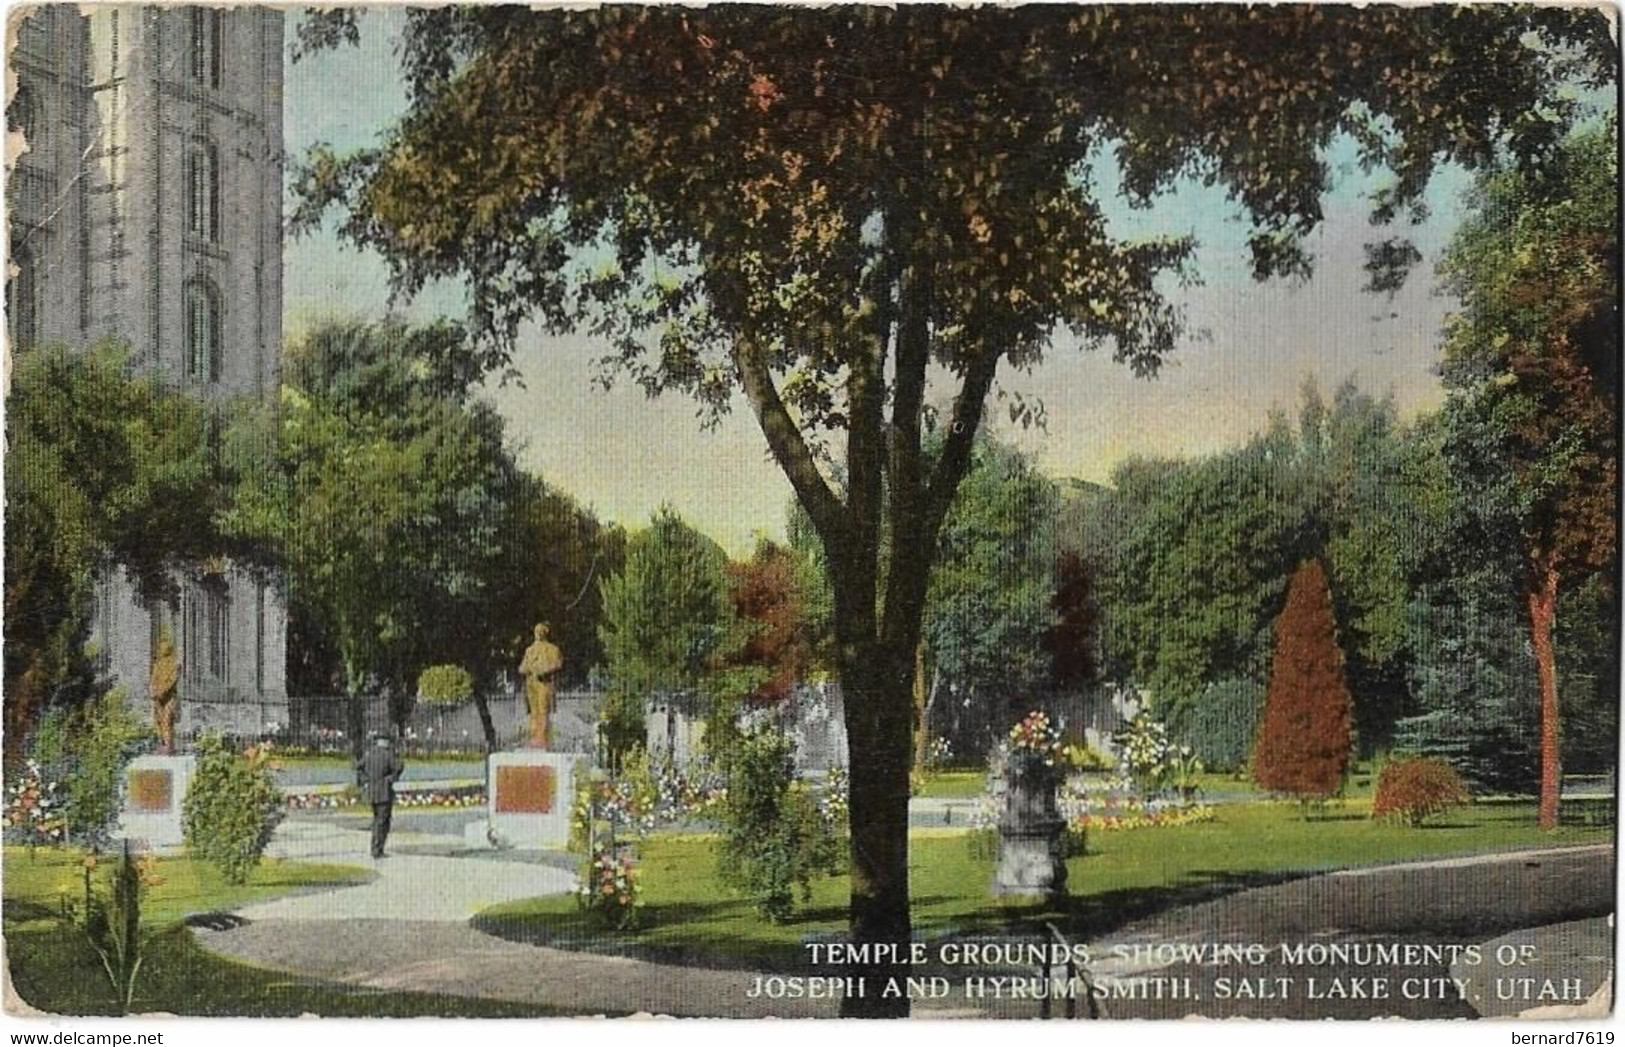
(34, 809)
(1095, 804)
(350, 796)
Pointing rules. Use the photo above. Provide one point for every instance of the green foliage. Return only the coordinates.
(113, 927)
(231, 808)
(667, 623)
(1415, 788)
(1472, 677)
(1222, 724)
(774, 839)
(988, 610)
(88, 749)
(667, 611)
(445, 685)
(1588, 675)
(1305, 742)
(410, 534)
(1532, 368)
(810, 565)
(1193, 555)
(797, 233)
(104, 467)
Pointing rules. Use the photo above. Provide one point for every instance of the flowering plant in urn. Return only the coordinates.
(1031, 858)
(1035, 737)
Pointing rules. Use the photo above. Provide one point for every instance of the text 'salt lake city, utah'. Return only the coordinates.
(1065, 511)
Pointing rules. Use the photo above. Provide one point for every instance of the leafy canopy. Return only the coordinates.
(687, 181)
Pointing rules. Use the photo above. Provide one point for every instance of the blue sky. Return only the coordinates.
(623, 455)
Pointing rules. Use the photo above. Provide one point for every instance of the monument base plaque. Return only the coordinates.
(529, 793)
(154, 788)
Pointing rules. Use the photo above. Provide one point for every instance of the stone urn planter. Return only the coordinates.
(1032, 834)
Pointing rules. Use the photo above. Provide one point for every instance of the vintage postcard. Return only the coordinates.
(1063, 511)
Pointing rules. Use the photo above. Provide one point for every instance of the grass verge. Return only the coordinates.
(689, 917)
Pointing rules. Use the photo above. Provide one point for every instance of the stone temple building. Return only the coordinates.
(144, 200)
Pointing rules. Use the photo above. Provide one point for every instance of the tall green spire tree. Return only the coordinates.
(1532, 362)
(821, 207)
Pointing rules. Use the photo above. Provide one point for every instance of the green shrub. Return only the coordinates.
(1084, 757)
(1221, 723)
(775, 839)
(1416, 787)
(113, 926)
(86, 750)
(445, 685)
(621, 726)
(231, 808)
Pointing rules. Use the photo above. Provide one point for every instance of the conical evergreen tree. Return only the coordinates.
(1306, 737)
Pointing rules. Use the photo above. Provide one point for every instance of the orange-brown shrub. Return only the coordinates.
(1416, 787)
(1305, 738)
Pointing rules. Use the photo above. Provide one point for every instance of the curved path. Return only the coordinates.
(406, 887)
(408, 930)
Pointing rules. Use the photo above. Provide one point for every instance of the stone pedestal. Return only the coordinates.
(528, 794)
(153, 790)
(1032, 833)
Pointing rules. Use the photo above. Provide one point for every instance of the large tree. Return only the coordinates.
(668, 623)
(823, 207)
(989, 608)
(396, 507)
(106, 470)
(1532, 362)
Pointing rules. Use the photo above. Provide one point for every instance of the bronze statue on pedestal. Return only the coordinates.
(540, 668)
(163, 688)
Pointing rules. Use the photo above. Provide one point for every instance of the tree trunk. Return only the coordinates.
(355, 714)
(875, 685)
(489, 728)
(922, 739)
(1542, 617)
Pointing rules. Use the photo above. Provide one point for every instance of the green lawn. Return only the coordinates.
(953, 785)
(968, 784)
(54, 969)
(690, 917)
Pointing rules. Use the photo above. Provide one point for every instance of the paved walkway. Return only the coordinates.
(407, 930)
(406, 886)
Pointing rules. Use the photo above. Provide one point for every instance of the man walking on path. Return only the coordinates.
(376, 772)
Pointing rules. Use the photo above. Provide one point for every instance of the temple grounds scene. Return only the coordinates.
(1070, 512)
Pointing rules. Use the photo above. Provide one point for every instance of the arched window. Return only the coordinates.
(22, 297)
(202, 332)
(207, 28)
(203, 191)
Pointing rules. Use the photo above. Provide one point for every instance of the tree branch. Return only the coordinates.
(789, 446)
(866, 454)
(967, 418)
